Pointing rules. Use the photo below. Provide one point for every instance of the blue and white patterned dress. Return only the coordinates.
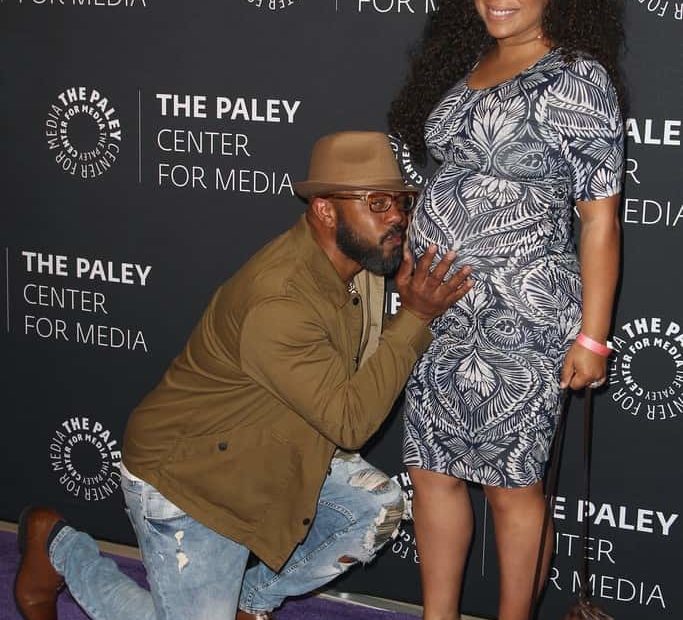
(482, 402)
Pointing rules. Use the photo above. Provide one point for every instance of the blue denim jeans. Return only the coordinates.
(195, 573)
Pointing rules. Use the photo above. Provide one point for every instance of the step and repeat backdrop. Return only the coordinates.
(149, 147)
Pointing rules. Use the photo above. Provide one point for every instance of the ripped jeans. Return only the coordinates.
(196, 574)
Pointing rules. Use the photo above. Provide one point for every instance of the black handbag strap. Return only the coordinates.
(551, 491)
(587, 444)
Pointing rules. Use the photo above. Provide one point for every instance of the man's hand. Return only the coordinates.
(424, 292)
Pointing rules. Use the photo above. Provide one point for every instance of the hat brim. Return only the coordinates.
(306, 189)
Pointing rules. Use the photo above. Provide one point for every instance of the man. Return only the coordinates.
(243, 446)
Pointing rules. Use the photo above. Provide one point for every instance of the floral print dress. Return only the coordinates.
(482, 402)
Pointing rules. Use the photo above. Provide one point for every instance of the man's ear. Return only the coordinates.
(324, 211)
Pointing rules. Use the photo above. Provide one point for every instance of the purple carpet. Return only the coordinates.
(310, 608)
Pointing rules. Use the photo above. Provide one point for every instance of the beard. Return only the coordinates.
(369, 256)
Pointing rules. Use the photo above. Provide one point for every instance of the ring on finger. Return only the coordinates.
(596, 384)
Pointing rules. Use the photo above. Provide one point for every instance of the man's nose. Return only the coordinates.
(395, 215)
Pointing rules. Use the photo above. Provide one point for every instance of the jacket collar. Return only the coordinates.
(325, 275)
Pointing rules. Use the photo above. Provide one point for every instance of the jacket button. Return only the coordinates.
(306, 521)
(222, 446)
(355, 301)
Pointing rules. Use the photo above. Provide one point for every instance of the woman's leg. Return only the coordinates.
(518, 519)
(443, 527)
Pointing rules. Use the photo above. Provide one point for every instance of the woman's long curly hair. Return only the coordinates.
(455, 37)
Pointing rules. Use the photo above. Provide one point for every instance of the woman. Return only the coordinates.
(526, 125)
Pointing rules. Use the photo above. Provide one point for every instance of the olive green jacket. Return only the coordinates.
(241, 429)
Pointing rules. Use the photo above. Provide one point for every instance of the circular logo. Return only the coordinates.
(85, 459)
(404, 545)
(646, 373)
(272, 5)
(83, 132)
(662, 8)
(409, 170)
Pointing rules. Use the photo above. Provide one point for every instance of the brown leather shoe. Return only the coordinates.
(243, 615)
(37, 583)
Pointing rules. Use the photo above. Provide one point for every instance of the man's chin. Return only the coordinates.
(389, 265)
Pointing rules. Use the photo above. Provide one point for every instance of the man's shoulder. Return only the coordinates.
(281, 269)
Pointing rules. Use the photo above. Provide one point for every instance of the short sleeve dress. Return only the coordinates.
(482, 403)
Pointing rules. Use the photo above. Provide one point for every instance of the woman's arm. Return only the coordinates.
(599, 255)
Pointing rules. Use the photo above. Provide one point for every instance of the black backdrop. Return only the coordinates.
(149, 147)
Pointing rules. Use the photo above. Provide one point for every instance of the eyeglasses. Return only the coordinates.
(380, 202)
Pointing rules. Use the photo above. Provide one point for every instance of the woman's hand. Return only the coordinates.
(583, 368)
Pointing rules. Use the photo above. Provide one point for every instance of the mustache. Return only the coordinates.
(394, 230)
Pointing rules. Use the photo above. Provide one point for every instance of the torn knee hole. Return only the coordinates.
(372, 480)
(384, 527)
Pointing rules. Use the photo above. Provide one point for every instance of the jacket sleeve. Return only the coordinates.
(285, 347)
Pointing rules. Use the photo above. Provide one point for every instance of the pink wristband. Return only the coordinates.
(593, 345)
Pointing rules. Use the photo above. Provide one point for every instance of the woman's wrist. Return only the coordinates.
(595, 346)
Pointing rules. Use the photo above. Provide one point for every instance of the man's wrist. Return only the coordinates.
(412, 328)
(418, 315)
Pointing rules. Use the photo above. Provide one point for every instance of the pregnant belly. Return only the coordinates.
(488, 220)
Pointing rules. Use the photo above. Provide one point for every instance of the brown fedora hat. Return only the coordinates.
(352, 161)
